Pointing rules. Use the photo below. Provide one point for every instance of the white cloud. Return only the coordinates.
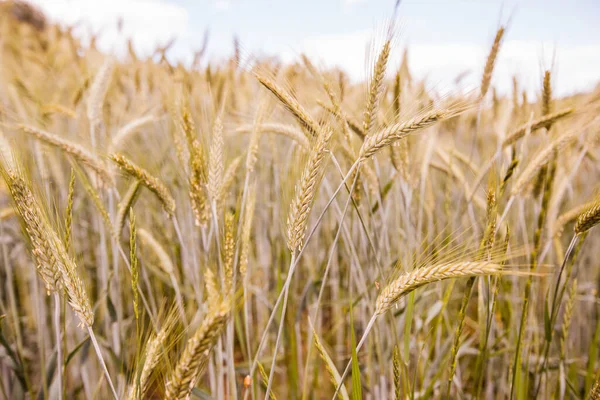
(575, 67)
(345, 51)
(153, 22)
(147, 22)
(222, 5)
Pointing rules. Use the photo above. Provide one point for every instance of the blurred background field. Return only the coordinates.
(180, 221)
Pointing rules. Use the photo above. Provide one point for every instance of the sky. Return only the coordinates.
(444, 38)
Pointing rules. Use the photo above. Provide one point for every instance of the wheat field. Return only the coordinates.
(253, 229)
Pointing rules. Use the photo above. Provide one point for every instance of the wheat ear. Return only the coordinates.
(98, 91)
(306, 191)
(152, 354)
(126, 204)
(410, 281)
(197, 168)
(152, 183)
(376, 88)
(215, 161)
(54, 264)
(491, 62)
(535, 125)
(75, 150)
(37, 229)
(395, 132)
(305, 120)
(542, 158)
(589, 218)
(192, 362)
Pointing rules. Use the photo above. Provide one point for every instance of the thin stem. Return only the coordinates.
(59, 357)
(293, 267)
(101, 359)
(324, 281)
(358, 346)
(279, 332)
(555, 308)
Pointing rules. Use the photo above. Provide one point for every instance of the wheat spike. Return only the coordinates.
(229, 250)
(395, 132)
(542, 158)
(164, 260)
(37, 229)
(152, 354)
(595, 392)
(410, 281)
(589, 218)
(305, 120)
(215, 161)
(197, 167)
(547, 96)
(534, 125)
(229, 178)
(570, 216)
(152, 183)
(213, 294)
(69, 211)
(135, 272)
(192, 362)
(491, 62)
(336, 379)
(567, 317)
(396, 360)
(306, 191)
(376, 88)
(265, 380)
(76, 294)
(73, 149)
(98, 91)
(247, 230)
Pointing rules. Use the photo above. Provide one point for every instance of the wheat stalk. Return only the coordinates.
(126, 204)
(279, 129)
(247, 230)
